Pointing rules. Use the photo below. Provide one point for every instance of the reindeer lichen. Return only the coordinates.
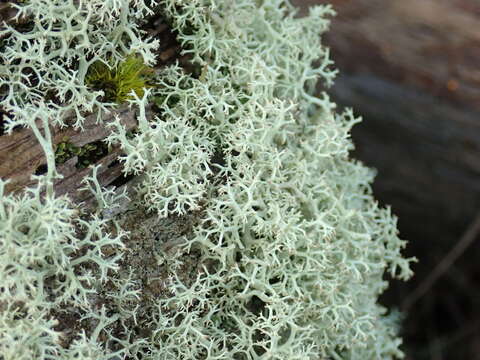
(251, 235)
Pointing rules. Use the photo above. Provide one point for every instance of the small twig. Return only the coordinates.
(466, 240)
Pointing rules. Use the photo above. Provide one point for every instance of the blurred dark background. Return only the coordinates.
(411, 69)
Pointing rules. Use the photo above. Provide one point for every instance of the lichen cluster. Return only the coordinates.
(278, 250)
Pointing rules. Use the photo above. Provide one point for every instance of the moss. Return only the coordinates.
(118, 82)
(87, 154)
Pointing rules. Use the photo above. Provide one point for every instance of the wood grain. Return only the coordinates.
(21, 155)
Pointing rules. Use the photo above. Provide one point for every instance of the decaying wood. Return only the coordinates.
(21, 155)
(432, 45)
(8, 12)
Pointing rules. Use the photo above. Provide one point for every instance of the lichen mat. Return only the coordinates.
(251, 235)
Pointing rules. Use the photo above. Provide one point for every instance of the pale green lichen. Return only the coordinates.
(260, 236)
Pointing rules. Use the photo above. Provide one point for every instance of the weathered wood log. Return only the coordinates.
(21, 155)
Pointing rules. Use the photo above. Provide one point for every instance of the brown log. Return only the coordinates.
(21, 155)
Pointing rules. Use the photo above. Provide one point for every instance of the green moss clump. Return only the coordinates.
(118, 82)
(87, 154)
